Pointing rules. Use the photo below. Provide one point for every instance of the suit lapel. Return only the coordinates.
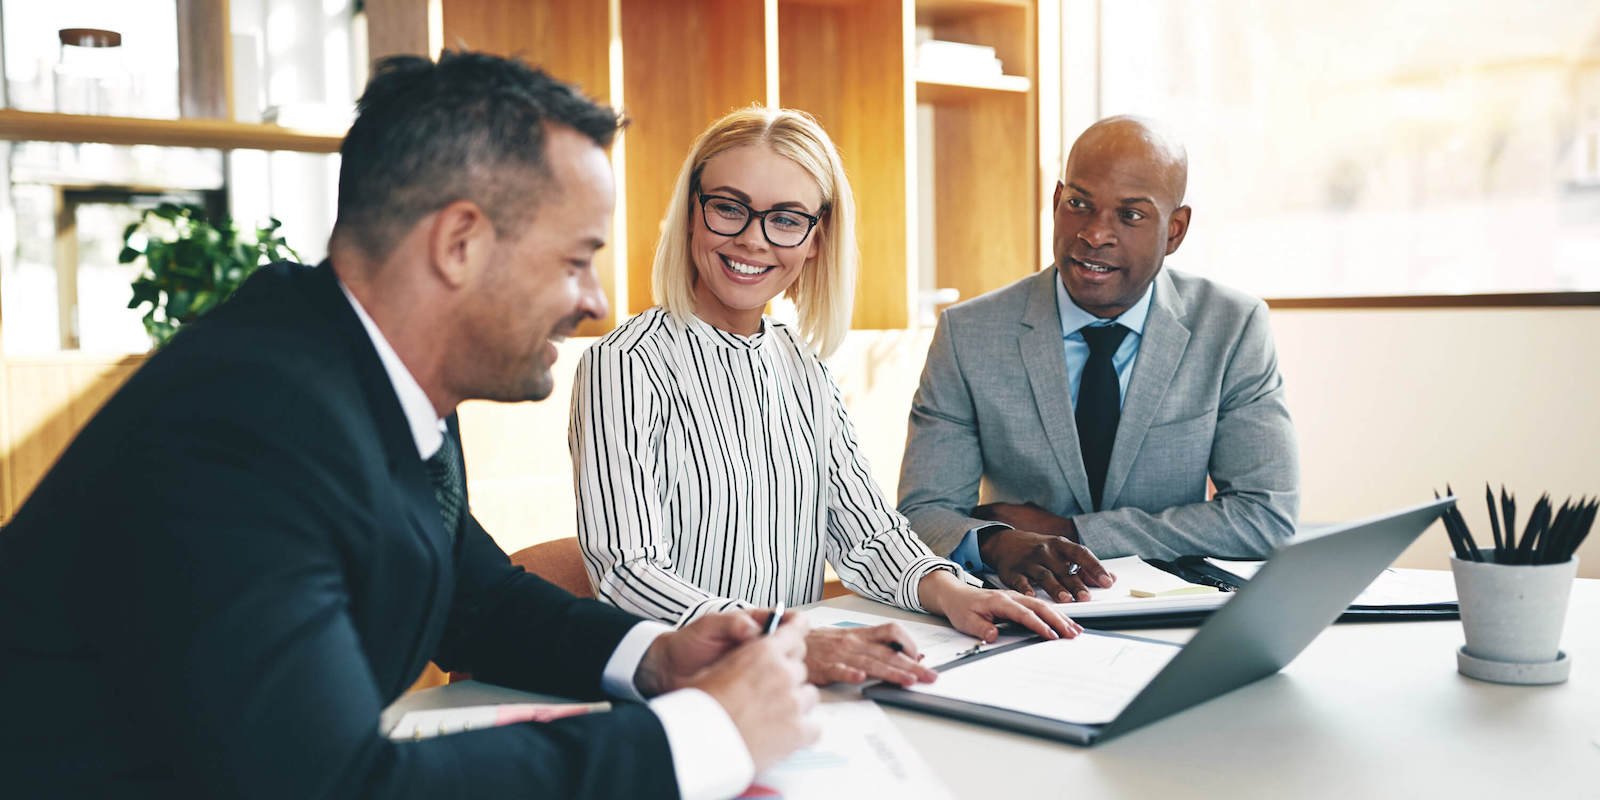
(1045, 360)
(399, 447)
(1165, 338)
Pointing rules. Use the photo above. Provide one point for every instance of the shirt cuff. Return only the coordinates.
(709, 756)
(966, 554)
(922, 568)
(617, 679)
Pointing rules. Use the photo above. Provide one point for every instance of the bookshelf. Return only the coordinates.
(673, 67)
(34, 126)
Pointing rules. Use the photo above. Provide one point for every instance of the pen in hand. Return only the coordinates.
(772, 622)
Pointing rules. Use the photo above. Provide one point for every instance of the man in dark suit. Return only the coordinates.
(260, 540)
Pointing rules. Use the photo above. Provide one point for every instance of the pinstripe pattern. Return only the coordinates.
(716, 471)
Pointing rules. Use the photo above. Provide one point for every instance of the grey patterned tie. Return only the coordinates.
(449, 483)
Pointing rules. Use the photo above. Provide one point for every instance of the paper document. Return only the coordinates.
(443, 721)
(1244, 569)
(860, 754)
(1159, 586)
(1393, 587)
(1087, 680)
(1409, 587)
(939, 644)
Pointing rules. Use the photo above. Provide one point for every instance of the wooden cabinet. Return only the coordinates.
(673, 66)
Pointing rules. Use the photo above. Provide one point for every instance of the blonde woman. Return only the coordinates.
(715, 464)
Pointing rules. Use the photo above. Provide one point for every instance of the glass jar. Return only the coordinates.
(90, 75)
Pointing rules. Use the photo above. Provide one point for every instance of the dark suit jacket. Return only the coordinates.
(239, 562)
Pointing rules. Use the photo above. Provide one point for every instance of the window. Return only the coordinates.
(64, 204)
(1367, 147)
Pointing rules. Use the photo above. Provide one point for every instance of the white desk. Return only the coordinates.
(1368, 710)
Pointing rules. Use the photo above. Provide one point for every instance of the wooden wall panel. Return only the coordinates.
(846, 65)
(985, 205)
(399, 27)
(205, 59)
(684, 64)
(986, 145)
(570, 39)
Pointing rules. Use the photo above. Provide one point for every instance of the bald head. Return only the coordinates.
(1141, 144)
(1119, 212)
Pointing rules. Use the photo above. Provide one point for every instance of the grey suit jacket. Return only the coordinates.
(1205, 400)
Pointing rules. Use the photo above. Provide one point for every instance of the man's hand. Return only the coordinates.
(762, 685)
(1028, 517)
(852, 655)
(675, 658)
(977, 612)
(1025, 559)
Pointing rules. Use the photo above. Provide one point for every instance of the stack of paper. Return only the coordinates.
(1087, 680)
(1142, 589)
(1395, 587)
(444, 721)
(938, 644)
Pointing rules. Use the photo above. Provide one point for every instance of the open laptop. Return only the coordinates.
(1301, 589)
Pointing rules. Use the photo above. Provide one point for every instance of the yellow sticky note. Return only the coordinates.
(1191, 589)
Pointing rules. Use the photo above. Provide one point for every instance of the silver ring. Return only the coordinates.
(1073, 570)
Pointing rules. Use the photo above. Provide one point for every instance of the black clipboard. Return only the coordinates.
(1081, 733)
(1197, 570)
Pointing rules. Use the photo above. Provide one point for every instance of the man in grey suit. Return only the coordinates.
(1091, 402)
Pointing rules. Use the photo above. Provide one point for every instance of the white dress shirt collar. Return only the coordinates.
(427, 429)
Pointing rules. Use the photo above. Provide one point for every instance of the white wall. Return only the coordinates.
(1392, 404)
(1388, 405)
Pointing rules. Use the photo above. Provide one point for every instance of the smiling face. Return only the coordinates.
(736, 276)
(1117, 215)
(542, 282)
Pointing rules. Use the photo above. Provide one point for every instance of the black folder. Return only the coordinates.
(1199, 570)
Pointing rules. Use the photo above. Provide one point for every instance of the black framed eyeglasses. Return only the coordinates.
(783, 227)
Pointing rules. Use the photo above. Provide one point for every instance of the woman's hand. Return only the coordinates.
(978, 612)
(852, 655)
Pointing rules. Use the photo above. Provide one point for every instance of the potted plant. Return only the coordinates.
(191, 265)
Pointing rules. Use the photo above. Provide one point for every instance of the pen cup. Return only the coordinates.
(1512, 615)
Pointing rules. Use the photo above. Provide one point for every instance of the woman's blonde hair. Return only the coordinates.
(825, 291)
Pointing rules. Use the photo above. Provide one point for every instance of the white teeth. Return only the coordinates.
(743, 268)
(1094, 267)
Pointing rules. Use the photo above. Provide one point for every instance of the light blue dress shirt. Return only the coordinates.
(1073, 320)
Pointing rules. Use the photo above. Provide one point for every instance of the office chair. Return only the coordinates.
(559, 562)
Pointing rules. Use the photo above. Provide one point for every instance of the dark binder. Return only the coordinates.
(1196, 569)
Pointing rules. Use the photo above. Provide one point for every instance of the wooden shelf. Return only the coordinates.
(968, 5)
(944, 90)
(33, 126)
(935, 11)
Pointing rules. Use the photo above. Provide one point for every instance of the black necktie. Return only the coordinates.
(449, 483)
(1099, 404)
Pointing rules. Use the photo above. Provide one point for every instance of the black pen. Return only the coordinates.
(1494, 522)
(1508, 508)
(772, 622)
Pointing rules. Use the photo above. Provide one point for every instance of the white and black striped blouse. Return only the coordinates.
(717, 471)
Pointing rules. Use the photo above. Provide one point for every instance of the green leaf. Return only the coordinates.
(193, 264)
(178, 304)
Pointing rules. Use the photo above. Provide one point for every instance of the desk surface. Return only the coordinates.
(1368, 710)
